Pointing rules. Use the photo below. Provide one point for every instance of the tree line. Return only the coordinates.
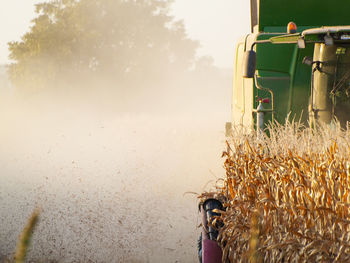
(117, 39)
(132, 48)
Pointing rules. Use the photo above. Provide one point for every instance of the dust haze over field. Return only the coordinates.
(108, 162)
(110, 184)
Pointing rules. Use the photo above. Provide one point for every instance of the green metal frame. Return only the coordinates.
(310, 13)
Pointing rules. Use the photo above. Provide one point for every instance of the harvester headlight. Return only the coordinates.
(345, 37)
(308, 61)
(301, 43)
(328, 40)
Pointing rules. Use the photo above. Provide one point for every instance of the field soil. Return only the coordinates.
(111, 187)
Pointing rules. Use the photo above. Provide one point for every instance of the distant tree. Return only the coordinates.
(117, 39)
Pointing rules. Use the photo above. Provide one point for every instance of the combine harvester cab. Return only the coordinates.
(295, 63)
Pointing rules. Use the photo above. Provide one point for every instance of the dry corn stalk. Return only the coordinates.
(25, 237)
(299, 181)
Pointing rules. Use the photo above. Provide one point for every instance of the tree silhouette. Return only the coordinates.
(119, 40)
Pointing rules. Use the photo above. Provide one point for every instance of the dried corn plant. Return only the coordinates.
(25, 237)
(287, 195)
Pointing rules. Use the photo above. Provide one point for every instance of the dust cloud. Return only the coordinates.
(110, 180)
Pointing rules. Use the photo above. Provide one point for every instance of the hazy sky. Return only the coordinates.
(217, 24)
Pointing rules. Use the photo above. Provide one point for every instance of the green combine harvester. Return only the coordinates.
(295, 61)
(294, 64)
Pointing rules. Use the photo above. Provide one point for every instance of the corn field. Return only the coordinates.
(286, 195)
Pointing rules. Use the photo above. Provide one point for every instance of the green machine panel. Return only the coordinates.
(308, 13)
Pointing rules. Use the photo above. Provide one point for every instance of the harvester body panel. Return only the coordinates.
(291, 85)
(274, 15)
